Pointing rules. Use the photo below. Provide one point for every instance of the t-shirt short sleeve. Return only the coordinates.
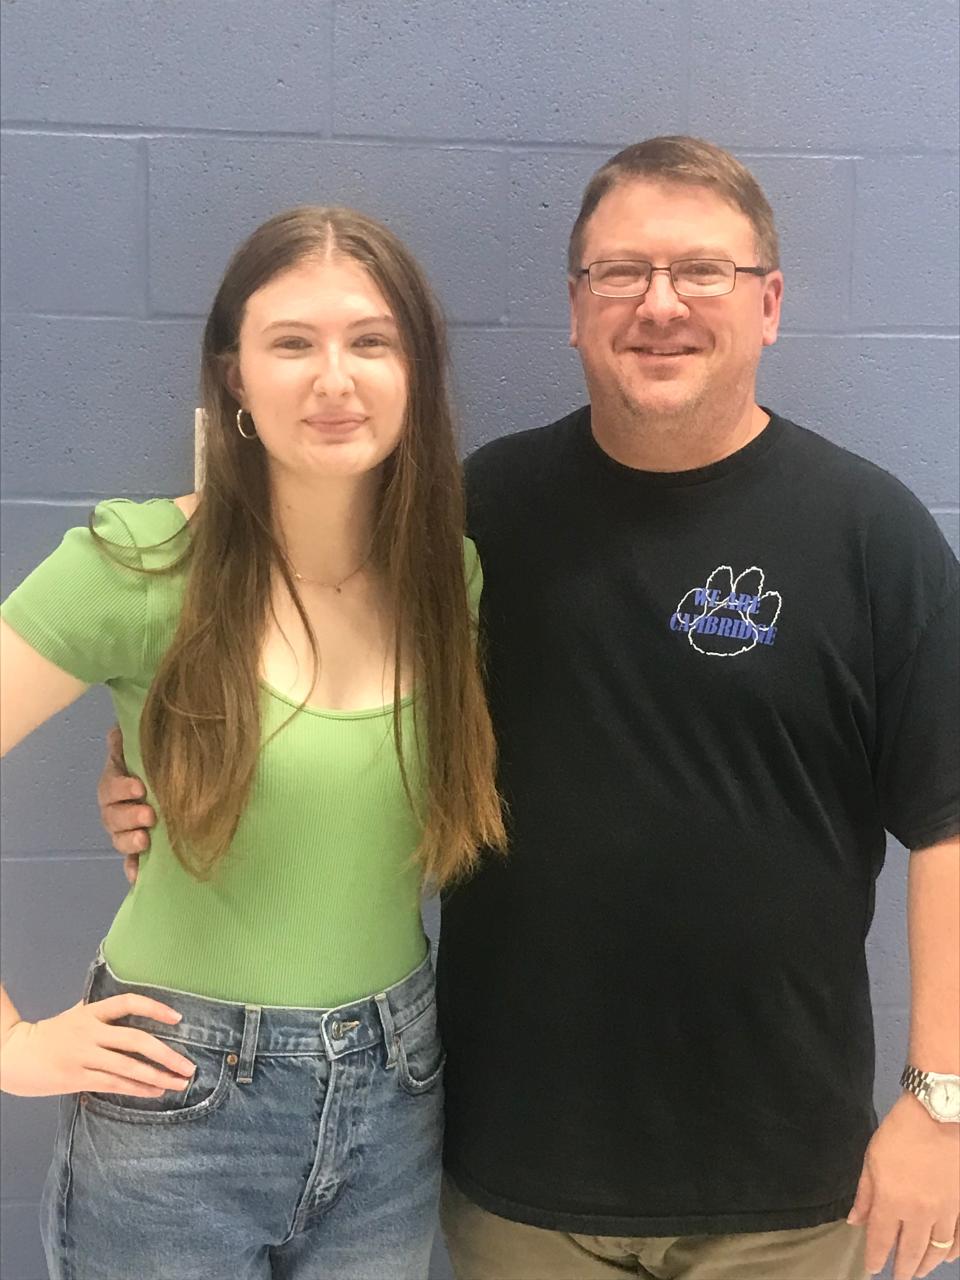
(85, 607)
(916, 621)
(918, 714)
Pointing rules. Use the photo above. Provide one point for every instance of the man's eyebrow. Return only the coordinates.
(305, 324)
(634, 255)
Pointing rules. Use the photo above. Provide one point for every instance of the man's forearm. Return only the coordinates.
(933, 914)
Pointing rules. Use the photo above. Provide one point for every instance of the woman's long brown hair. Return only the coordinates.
(201, 730)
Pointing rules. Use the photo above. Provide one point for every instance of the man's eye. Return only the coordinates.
(621, 273)
(702, 270)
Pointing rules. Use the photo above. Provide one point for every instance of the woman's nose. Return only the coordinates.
(332, 378)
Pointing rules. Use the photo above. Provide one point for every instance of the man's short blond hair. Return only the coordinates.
(690, 162)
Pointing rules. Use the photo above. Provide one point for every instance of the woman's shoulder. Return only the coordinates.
(473, 573)
(140, 524)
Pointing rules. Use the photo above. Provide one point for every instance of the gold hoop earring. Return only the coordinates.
(252, 434)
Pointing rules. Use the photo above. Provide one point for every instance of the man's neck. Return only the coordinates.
(675, 443)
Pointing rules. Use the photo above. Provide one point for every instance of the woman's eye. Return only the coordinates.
(292, 344)
(372, 342)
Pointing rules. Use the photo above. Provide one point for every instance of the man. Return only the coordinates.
(721, 663)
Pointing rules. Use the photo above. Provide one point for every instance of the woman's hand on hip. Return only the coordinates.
(82, 1050)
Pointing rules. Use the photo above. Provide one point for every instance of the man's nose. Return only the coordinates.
(661, 302)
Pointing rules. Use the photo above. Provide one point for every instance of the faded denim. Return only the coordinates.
(307, 1146)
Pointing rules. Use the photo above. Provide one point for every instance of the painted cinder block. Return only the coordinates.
(825, 76)
(216, 65)
(112, 413)
(29, 1127)
(949, 522)
(906, 245)
(511, 379)
(891, 1028)
(54, 913)
(812, 200)
(208, 195)
(50, 784)
(891, 399)
(73, 224)
(29, 531)
(21, 1253)
(567, 72)
(887, 939)
(545, 189)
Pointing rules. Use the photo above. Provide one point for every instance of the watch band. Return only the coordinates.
(921, 1083)
(914, 1080)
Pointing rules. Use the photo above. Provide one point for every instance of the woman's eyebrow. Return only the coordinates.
(306, 324)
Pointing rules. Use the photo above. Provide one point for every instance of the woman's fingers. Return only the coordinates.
(134, 1070)
(130, 1040)
(104, 1082)
(129, 1004)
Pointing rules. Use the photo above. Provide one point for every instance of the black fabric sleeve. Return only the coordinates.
(918, 761)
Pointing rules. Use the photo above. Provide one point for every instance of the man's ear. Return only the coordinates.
(772, 302)
(572, 295)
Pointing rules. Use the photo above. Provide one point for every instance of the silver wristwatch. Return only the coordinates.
(939, 1094)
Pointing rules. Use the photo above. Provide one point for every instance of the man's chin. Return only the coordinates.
(664, 402)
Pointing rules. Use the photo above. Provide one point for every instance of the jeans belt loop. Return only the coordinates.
(248, 1045)
(389, 1032)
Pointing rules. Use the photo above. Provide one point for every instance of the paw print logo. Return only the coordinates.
(727, 616)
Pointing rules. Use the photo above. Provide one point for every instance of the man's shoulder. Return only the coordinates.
(521, 455)
(815, 454)
(852, 496)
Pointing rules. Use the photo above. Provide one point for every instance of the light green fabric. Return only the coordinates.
(317, 901)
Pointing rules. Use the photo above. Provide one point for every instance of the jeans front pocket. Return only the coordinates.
(420, 1055)
(206, 1092)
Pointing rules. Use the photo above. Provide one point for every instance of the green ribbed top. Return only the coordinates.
(317, 902)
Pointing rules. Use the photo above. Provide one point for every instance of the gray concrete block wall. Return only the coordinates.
(141, 141)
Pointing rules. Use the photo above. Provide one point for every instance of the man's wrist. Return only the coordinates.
(937, 1092)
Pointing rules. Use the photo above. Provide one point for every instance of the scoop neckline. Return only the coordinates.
(325, 713)
(331, 713)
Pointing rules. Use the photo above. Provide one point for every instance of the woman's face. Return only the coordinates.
(321, 371)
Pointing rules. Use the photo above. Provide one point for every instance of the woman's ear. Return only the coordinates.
(235, 382)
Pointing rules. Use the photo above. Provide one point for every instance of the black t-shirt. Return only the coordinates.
(712, 690)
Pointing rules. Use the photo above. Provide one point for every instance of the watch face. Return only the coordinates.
(944, 1098)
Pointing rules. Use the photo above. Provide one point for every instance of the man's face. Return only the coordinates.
(662, 355)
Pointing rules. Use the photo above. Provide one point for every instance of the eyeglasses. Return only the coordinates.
(692, 277)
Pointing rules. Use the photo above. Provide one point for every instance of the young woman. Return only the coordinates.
(252, 1082)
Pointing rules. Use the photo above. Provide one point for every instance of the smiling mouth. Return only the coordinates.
(664, 352)
(345, 422)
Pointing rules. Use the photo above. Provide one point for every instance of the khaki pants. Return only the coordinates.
(483, 1246)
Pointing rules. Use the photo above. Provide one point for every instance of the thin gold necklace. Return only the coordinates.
(335, 586)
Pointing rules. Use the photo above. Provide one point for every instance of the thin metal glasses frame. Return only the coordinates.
(747, 271)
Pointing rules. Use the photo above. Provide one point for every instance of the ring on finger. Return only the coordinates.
(940, 1244)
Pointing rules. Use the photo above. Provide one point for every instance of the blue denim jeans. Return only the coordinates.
(307, 1145)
